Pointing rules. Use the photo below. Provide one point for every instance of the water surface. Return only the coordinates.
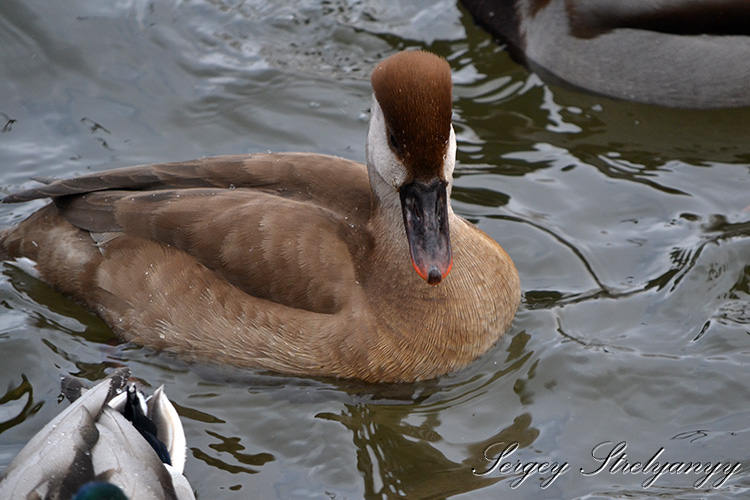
(628, 224)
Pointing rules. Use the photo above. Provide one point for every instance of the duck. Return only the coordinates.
(298, 263)
(112, 442)
(672, 53)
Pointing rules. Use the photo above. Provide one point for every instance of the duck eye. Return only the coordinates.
(394, 142)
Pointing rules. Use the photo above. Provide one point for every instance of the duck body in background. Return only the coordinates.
(676, 53)
(299, 263)
(111, 442)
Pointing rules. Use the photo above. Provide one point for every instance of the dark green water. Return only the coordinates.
(628, 225)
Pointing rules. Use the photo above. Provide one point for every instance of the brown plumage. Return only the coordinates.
(297, 263)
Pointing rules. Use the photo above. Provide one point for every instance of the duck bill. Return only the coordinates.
(425, 209)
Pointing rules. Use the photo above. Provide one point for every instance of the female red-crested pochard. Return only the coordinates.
(299, 263)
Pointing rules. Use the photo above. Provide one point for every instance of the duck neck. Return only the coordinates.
(387, 221)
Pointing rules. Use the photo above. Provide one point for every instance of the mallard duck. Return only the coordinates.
(679, 53)
(111, 442)
(300, 263)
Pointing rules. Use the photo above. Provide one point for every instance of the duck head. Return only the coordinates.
(411, 153)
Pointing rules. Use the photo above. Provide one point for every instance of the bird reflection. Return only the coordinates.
(400, 459)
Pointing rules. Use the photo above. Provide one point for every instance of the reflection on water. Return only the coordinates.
(231, 446)
(628, 224)
(12, 399)
(399, 459)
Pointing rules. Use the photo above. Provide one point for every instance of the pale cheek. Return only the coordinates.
(450, 157)
(380, 156)
(448, 167)
(397, 173)
(390, 169)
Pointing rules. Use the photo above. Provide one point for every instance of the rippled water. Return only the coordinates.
(628, 224)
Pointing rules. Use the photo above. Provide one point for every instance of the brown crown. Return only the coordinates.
(415, 91)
